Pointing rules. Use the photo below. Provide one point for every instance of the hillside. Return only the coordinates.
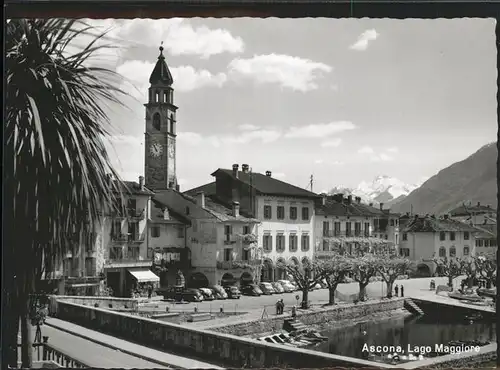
(473, 179)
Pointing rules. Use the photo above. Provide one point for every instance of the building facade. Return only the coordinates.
(285, 232)
(429, 237)
(345, 225)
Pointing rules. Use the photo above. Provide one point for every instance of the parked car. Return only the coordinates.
(278, 288)
(192, 295)
(251, 289)
(171, 293)
(267, 288)
(208, 295)
(295, 286)
(287, 286)
(233, 292)
(219, 292)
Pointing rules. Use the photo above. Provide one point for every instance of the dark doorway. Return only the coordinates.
(113, 282)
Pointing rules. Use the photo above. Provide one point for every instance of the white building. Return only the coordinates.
(286, 214)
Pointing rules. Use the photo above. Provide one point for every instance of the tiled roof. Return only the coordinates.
(488, 229)
(208, 189)
(334, 208)
(267, 184)
(430, 224)
(213, 207)
(464, 210)
(133, 188)
(157, 214)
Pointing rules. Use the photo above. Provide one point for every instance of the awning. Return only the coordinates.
(143, 276)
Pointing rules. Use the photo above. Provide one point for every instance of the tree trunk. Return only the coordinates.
(450, 281)
(24, 313)
(305, 298)
(11, 329)
(362, 291)
(390, 287)
(331, 295)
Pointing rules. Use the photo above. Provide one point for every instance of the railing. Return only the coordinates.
(236, 264)
(355, 233)
(138, 238)
(129, 213)
(50, 353)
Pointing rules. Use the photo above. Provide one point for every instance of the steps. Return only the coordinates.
(292, 325)
(412, 307)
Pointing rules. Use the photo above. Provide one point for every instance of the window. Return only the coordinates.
(357, 228)
(392, 222)
(268, 214)
(442, 252)
(452, 235)
(157, 121)
(405, 237)
(280, 212)
(396, 222)
(442, 235)
(292, 243)
(386, 237)
(89, 266)
(172, 121)
(493, 242)
(466, 251)
(133, 253)
(453, 252)
(280, 243)
(304, 243)
(155, 232)
(404, 252)
(336, 228)
(397, 237)
(245, 255)
(466, 235)
(348, 228)
(180, 232)
(228, 231)
(326, 228)
(479, 242)
(293, 213)
(133, 231)
(367, 229)
(228, 254)
(326, 245)
(486, 243)
(267, 243)
(131, 206)
(187, 210)
(305, 213)
(116, 228)
(116, 253)
(246, 229)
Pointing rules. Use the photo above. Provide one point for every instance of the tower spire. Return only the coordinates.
(161, 74)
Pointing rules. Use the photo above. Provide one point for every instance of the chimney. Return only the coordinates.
(358, 200)
(141, 182)
(323, 199)
(349, 199)
(370, 204)
(235, 170)
(236, 209)
(479, 204)
(268, 173)
(381, 206)
(245, 168)
(200, 199)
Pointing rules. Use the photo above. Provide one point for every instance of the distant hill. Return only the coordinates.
(471, 180)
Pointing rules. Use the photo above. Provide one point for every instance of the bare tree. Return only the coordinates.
(486, 266)
(334, 271)
(450, 267)
(301, 274)
(390, 267)
(363, 268)
(468, 267)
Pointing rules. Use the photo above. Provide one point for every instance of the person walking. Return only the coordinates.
(294, 312)
(396, 290)
(278, 304)
(402, 291)
(150, 291)
(282, 306)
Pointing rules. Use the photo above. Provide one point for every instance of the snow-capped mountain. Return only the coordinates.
(383, 189)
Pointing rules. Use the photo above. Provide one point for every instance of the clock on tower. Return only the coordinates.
(159, 166)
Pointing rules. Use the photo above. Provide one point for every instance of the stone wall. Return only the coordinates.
(111, 303)
(218, 348)
(335, 313)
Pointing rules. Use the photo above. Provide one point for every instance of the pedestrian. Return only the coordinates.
(294, 312)
(282, 307)
(278, 304)
(396, 290)
(402, 291)
(150, 291)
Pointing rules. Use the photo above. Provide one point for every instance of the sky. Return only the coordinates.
(344, 100)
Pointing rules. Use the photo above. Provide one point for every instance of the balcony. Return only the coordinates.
(339, 234)
(133, 214)
(128, 238)
(237, 264)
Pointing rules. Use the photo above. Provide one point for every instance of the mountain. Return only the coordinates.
(471, 180)
(383, 189)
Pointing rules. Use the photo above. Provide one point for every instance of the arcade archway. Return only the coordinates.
(267, 274)
(228, 280)
(198, 280)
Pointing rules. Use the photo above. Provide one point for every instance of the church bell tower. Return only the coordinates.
(160, 129)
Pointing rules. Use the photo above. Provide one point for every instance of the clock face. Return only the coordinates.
(156, 149)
